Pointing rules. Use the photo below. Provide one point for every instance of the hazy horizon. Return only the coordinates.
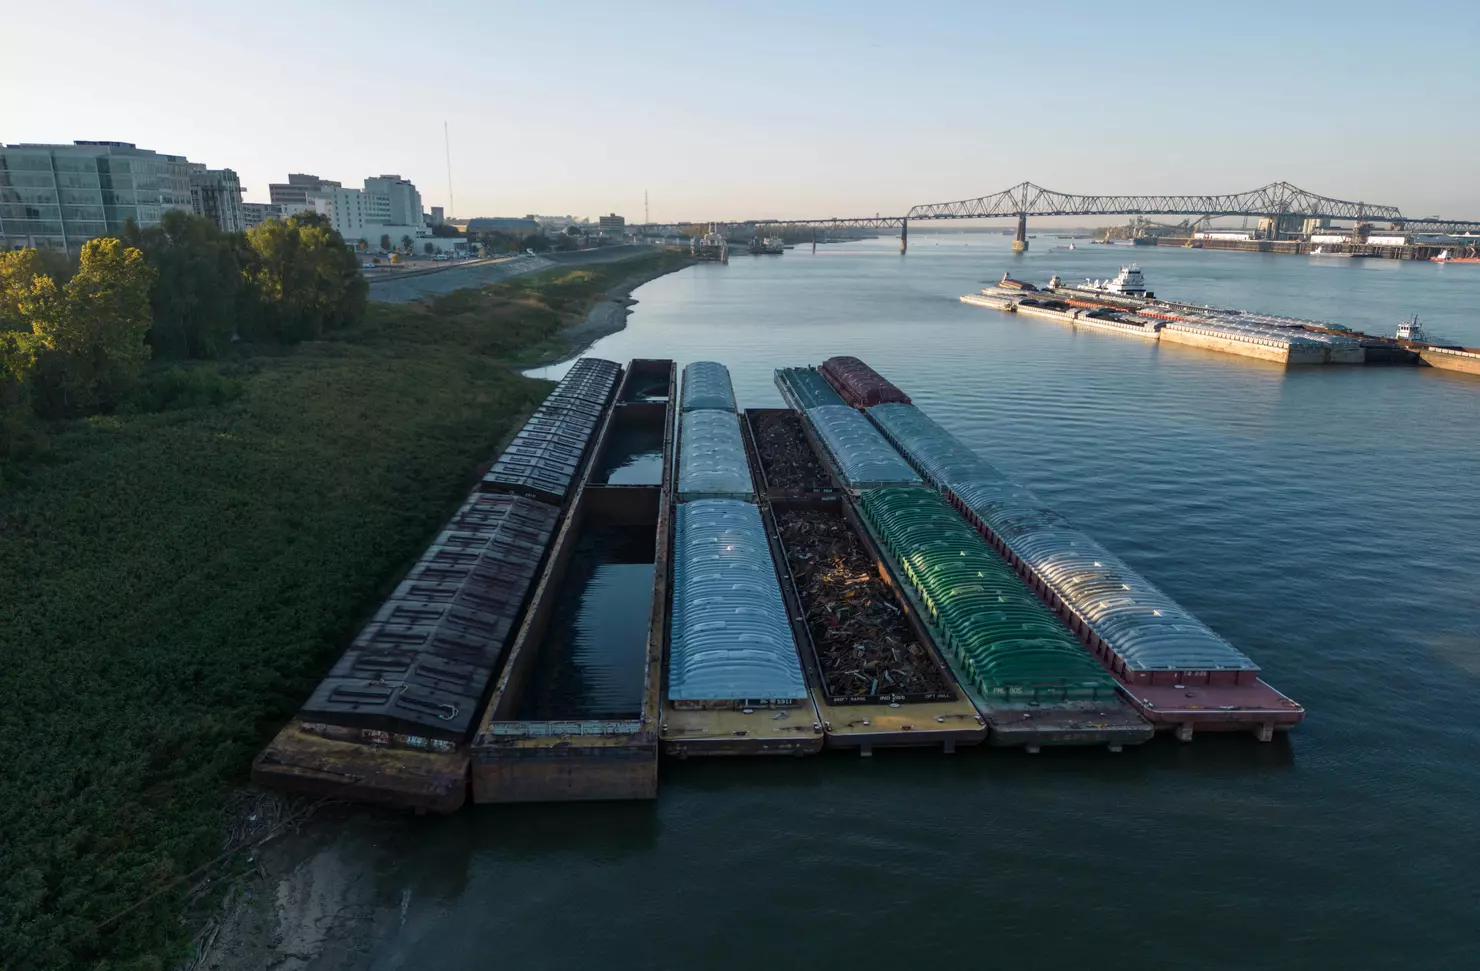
(766, 109)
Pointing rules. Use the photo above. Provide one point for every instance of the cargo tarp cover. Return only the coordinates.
(731, 639)
(1143, 626)
(707, 385)
(804, 388)
(711, 458)
(1012, 645)
(863, 457)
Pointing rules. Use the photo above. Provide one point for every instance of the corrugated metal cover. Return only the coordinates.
(860, 384)
(863, 457)
(804, 388)
(731, 639)
(1012, 645)
(707, 385)
(545, 457)
(935, 453)
(1142, 625)
(711, 458)
(423, 663)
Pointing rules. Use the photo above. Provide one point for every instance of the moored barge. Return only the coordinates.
(876, 675)
(391, 721)
(733, 678)
(1180, 674)
(574, 715)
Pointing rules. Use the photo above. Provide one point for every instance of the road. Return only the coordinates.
(461, 276)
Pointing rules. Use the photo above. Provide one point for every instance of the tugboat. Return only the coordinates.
(1129, 283)
(1411, 330)
(1444, 257)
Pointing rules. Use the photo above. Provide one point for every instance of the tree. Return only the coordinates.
(362, 246)
(536, 242)
(573, 231)
(406, 244)
(429, 248)
(385, 242)
(305, 281)
(17, 269)
(90, 334)
(197, 298)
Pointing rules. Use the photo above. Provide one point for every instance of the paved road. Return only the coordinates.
(463, 276)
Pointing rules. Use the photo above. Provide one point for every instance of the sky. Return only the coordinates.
(758, 109)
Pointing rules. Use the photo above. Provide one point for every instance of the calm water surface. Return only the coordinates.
(1323, 520)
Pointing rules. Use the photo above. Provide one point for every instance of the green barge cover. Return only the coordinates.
(1012, 645)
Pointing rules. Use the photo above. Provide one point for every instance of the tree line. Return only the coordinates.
(75, 338)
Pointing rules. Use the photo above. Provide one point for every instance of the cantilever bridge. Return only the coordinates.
(1278, 201)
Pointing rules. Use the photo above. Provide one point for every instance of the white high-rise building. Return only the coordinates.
(402, 206)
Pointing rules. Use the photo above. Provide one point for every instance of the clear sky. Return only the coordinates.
(768, 109)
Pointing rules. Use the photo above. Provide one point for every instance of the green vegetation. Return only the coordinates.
(180, 572)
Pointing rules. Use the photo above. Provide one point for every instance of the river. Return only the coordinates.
(1322, 519)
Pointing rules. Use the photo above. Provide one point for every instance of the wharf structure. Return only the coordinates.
(1288, 341)
(644, 575)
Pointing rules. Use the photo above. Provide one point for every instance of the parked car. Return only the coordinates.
(366, 265)
(441, 256)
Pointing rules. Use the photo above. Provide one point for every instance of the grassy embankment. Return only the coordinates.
(176, 581)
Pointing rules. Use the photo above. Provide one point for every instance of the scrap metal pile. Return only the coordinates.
(865, 646)
(787, 459)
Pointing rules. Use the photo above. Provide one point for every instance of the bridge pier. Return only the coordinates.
(814, 239)
(904, 236)
(1020, 242)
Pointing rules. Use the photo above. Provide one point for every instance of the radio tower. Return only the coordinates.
(447, 145)
(645, 220)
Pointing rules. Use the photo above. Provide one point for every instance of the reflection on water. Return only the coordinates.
(591, 662)
(633, 456)
(1321, 519)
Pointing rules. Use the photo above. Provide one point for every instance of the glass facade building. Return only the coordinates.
(60, 196)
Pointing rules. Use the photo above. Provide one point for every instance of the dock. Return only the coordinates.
(1286, 341)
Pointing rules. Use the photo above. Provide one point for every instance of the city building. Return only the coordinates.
(60, 196)
(612, 225)
(436, 218)
(395, 201)
(216, 194)
(296, 190)
(257, 213)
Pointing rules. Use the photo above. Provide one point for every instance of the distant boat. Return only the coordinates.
(1444, 257)
(1411, 330)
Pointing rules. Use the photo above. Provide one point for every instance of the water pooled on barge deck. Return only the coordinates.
(634, 456)
(591, 663)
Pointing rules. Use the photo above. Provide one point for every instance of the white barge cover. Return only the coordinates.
(861, 454)
(1143, 626)
(711, 458)
(706, 384)
(731, 638)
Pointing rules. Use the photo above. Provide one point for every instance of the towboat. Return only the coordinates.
(1411, 330)
(1128, 283)
(1444, 257)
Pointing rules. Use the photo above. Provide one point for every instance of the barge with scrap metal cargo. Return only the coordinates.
(1123, 305)
(1026, 676)
(876, 675)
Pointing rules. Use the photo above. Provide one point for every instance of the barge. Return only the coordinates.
(733, 678)
(1176, 671)
(1068, 701)
(390, 724)
(574, 715)
(877, 677)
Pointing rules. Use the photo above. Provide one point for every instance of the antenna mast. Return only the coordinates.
(645, 219)
(447, 144)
